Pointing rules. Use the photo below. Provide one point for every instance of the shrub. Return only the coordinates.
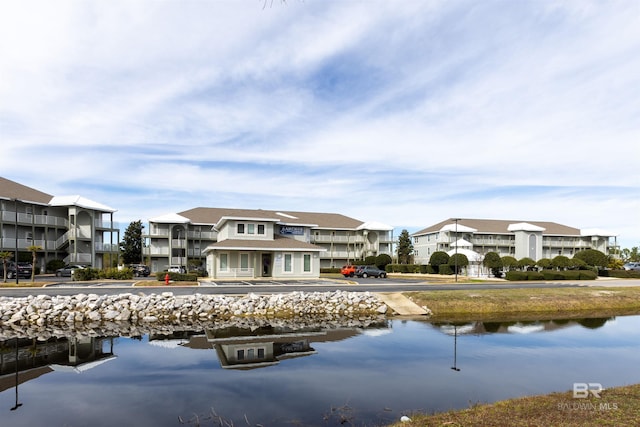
(590, 275)
(54, 264)
(445, 269)
(383, 260)
(620, 274)
(326, 270)
(592, 257)
(552, 275)
(438, 258)
(515, 275)
(534, 275)
(177, 277)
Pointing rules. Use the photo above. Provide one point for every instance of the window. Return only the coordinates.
(244, 262)
(224, 262)
(307, 263)
(287, 263)
(260, 228)
(240, 354)
(240, 228)
(251, 228)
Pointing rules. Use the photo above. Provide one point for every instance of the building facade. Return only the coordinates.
(260, 243)
(73, 229)
(519, 239)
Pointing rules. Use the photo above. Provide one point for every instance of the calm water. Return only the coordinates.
(278, 376)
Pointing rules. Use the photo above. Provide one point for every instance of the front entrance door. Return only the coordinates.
(266, 265)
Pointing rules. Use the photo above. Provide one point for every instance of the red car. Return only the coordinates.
(348, 270)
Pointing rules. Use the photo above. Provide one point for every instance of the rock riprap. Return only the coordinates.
(42, 310)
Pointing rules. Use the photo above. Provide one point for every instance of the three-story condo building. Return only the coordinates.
(69, 228)
(261, 243)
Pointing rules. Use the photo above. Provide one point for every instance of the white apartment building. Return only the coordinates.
(519, 239)
(70, 228)
(261, 243)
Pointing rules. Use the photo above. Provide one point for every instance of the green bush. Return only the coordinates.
(54, 264)
(620, 274)
(424, 268)
(589, 275)
(88, 273)
(177, 277)
(326, 270)
(534, 275)
(516, 276)
(445, 269)
(553, 275)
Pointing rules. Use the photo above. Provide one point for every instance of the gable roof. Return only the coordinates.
(500, 226)
(12, 190)
(79, 201)
(333, 221)
(278, 243)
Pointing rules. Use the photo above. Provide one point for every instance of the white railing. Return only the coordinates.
(154, 251)
(78, 258)
(206, 235)
(242, 272)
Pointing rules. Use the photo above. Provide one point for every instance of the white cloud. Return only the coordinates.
(402, 112)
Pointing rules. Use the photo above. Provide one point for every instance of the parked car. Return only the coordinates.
(67, 271)
(370, 271)
(177, 269)
(633, 266)
(348, 270)
(23, 270)
(140, 270)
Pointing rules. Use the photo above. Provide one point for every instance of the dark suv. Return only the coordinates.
(140, 270)
(370, 271)
(24, 270)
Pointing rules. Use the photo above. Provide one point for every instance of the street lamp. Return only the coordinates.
(455, 349)
(455, 261)
(15, 261)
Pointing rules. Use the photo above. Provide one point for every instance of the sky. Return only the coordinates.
(404, 112)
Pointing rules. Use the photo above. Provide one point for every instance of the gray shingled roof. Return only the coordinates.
(279, 243)
(12, 190)
(321, 220)
(500, 226)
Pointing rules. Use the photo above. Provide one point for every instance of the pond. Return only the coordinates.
(274, 375)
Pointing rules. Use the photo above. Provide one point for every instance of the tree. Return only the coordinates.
(592, 257)
(526, 262)
(437, 259)
(383, 260)
(560, 262)
(131, 244)
(34, 255)
(5, 256)
(458, 261)
(493, 261)
(405, 247)
(544, 263)
(509, 262)
(631, 255)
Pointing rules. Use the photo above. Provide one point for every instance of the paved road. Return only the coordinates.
(280, 286)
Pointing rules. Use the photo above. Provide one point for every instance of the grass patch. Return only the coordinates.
(153, 283)
(619, 406)
(551, 301)
(23, 284)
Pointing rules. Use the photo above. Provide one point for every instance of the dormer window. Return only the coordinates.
(240, 228)
(251, 229)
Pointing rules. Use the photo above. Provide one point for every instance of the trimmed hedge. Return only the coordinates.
(177, 277)
(326, 270)
(620, 274)
(90, 273)
(551, 275)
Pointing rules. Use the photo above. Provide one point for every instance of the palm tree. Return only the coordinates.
(34, 254)
(5, 256)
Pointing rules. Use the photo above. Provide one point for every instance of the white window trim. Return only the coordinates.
(226, 269)
(310, 263)
(284, 263)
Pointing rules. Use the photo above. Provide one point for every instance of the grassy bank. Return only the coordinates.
(618, 406)
(522, 303)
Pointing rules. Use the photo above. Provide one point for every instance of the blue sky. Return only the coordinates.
(404, 112)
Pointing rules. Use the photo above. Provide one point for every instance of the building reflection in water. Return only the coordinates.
(258, 347)
(25, 359)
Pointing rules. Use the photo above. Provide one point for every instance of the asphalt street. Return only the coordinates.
(234, 287)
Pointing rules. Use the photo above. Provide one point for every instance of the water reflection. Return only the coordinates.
(281, 372)
(518, 327)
